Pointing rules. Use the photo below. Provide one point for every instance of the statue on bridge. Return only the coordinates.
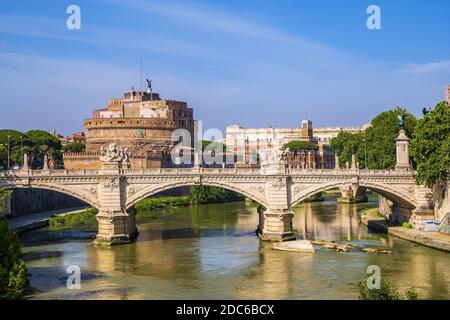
(401, 121)
(115, 154)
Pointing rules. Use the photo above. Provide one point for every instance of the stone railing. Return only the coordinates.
(197, 170)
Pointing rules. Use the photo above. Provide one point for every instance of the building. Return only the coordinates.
(139, 121)
(77, 137)
(247, 142)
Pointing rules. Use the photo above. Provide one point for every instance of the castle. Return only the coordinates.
(139, 121)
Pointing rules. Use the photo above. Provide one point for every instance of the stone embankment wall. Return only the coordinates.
(441, 195)
(25, 201)
(395, 214)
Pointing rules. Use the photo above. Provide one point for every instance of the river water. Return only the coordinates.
(212, 252)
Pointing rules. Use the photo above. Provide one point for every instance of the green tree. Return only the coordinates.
(13, 272)
(74, 147)
(16, 140)
(345, 145)
(207, 194)
(381, 136)
(301, 146)
(43, 143)
(430, 146)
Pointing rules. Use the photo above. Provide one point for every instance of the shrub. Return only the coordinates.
(13, 272)
(386, 292)
(87, 216)
(407, 225)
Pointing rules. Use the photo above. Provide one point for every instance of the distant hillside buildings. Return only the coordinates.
(251, 140)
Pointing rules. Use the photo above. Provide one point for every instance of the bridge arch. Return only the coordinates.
(152, 190)
(57, 188)
(400, 197)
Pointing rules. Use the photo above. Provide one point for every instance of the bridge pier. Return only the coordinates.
(275, 225)
(115, 227)
(275, 221)
(352, 193)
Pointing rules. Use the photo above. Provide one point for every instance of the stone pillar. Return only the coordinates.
(115, 224)
(45, 166)
(275, 222)
(25, 166)
(402, 152)
(354, 167)
(336, 162)
(425, 209)
(352, 193)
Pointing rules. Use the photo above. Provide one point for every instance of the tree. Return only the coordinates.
(302, 146)
(4, 194)
(430, 146)
(207, 194)
(381, 136)
(43, 143)
(16, 141)
(74, 147)
(346, 144)
(13, 272)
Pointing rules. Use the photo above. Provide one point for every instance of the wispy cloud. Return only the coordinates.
(432, 68)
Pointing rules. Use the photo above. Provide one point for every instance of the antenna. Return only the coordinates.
(141, 80)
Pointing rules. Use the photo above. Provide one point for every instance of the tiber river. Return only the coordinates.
(212, 252)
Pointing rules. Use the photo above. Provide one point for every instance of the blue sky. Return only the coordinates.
(254, 63)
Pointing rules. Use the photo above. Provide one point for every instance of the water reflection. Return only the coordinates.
(211, 251)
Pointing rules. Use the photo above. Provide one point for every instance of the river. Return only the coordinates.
(212, 252)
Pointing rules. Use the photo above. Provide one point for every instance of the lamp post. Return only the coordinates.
(21, 150)
(9, 156)
(365, 149)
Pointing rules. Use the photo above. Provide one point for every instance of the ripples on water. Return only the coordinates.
(212, 252)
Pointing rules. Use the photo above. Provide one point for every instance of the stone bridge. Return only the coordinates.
(115, 191)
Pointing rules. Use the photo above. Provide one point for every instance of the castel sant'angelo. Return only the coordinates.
(140, 121)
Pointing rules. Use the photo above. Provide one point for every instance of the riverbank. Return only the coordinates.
(34, 221)
(374, 221)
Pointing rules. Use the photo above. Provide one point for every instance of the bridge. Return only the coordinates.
(114, 191)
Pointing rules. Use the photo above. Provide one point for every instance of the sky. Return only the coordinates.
(256, 63)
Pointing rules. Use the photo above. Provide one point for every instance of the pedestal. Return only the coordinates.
(115, 228)
(275, 225)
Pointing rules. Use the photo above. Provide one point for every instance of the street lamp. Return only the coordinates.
(21, 150)
(365, 149)
(9, 156)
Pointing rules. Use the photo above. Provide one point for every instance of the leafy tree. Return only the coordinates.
(4, 194)
(13, 272)
(430, 146)
(302, 146)
(207, 194)
(381, 136)
(74, 147)
(17, 140)
(43, 143)
(210, 145)
(346, 144)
